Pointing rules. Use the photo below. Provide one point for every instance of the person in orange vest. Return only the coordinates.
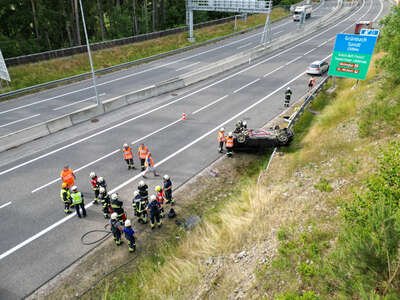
(128, 156)
(311, 83)
(67, 176)
(221, 139)
(149, 165)
(142, 153)
(229, 144)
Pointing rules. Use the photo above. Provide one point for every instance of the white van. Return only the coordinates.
(299, 10)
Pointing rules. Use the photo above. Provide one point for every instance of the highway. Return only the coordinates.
(22, 112)
(38, 241)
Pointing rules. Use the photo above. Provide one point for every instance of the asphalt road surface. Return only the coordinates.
(37, 241)
(20, 113)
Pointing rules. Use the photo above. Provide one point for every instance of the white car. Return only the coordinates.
(317, 67)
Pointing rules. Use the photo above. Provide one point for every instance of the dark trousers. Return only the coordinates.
(132, 242)
(67, 207)
(221, 146)
(129, 162)
(96, 195)
(229, 151)
(117, 236)
(155, 217)
(105, 210)
(142, 160)
(81, 206)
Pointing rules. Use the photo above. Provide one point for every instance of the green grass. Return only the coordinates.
(45, 71)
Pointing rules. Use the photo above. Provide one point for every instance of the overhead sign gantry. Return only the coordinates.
(234, 6)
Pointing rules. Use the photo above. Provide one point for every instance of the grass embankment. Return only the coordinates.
(323, 222)
(35, 73)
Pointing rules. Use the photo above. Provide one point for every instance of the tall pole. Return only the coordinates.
(90, 55)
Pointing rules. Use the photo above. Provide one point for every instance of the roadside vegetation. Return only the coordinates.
(41, 72)
(323, 222)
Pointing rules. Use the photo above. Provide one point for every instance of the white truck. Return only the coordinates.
(300, 10)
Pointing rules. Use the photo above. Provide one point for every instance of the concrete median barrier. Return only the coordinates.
(23, 136)
(59, 123)
(86, 114)
(115, 103)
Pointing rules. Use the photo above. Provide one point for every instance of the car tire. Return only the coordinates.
(282, 138)
(241, 138)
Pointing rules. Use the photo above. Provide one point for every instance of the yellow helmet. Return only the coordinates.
(64, 185)
(158, 188)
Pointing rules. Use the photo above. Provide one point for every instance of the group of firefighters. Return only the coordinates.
(145, 207)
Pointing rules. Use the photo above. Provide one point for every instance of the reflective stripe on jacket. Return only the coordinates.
(127, 153)
(142, 152)
(221, 136)
(65, 195)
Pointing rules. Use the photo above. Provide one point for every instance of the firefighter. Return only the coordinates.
(160, 199)
(78, 201)
(105, 202)
(117, 207)
(142, 153)
(143, 190)
(67, 176)
(102, 182)
(288, 95)
(128, 156)
(95, 186)
(221, 139)
(130, 236)
(149, 164)
(116, 228)
(229, 144)
(66, 198)
(167, 190)
(154, 209)
(139, 206)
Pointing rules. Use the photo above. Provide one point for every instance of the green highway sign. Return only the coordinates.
(352, 55)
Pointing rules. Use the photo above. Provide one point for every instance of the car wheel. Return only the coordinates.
(241, 138)
(282, 138)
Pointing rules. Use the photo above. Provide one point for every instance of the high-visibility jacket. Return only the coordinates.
(77, 198)
(160, 198)
(143, 151)
(127, 153)
(149, 161)
(65, 195)
(68, 177)
(221, 136)
(229, 142)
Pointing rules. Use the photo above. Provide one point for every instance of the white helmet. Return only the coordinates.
(114, 196)
(244, 123)
(102, 190)
(128, 223)
(222, 129)
(125, 145)
(230, 134)
(100, 179)
(288, 88)
(135, 193)
(166, 176)
(92, 175)
(74, 188)
(114, 216)
(153, 197)
(141, 183)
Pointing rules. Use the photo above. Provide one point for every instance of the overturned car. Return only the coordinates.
(260, 139)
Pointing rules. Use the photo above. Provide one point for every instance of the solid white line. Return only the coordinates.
(308, 52)
(273, 71)
(188, 66)
(293, 60)
(279, 32)
(244, 46)
(208, 105)
(76, 102)
(20, 120)
(107, 155)
(174, 101)
(5, 204)
(245, 86)
(380, 11)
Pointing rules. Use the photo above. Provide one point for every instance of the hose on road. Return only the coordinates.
(106, 235)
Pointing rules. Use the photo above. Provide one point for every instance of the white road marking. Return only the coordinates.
(308, 52)
(246, 85)
(244, 46)
(279, 32)
(108, 155)
(208, 105)
(273, 71)
(293, 60)
(177, 100)
(188, 66)
(5, 204)
(77, 102)
(20, 120)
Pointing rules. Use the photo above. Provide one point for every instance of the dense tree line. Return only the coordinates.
(29, 26)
